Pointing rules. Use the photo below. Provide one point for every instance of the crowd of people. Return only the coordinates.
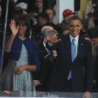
(43, 56)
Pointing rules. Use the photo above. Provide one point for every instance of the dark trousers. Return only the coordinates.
(68, 86)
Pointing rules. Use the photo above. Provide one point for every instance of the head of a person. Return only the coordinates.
(23, 6)
(42, 18)
(24, 25)
(64, 25)
(93, 34)
(51, 12)
(66, 31)
(45, 29)
(0, 10)
(39, 4)
(67, 14)
(95, 16)
(75, 26)
(16, 12)
(51, 36)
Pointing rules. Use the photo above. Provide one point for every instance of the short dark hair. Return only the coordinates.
(75, 18)
(17, 11)
(22, 19)
(44, 15)
(93, 32)
(54, 12)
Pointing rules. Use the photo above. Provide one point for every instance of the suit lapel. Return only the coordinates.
(68, 45)
(45, 51)
(66, 40)
(80, 48)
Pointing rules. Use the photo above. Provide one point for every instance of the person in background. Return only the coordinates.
(95, 16)
(47, 27)
(42, 20)
(39, 5)
(51, 12)
(47, 60)
(11, 6)
(23, 59)
(66, 31)
(93, 34)
(23, 6)
(67, 13)
(44, 30)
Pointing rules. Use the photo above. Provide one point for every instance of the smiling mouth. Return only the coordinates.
(75, 32)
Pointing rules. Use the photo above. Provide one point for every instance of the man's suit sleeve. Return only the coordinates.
(52, 46)
(89, 68)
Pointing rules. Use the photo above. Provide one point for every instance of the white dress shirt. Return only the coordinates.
(76, 42)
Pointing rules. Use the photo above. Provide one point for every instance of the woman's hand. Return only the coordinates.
(13, 27)
(19, 69)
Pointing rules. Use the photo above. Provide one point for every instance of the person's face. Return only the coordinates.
(65, 32)
(22, 29)
(40, 21)
(94, 41)
(53, 39)
(25, 12)
(0, 11)
(68, 17)
(74, 27)
(50, 13)
(39, 3)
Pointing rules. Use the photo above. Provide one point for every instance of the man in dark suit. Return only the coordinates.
(93, 34)
(51, 12)
(47, 61)
(73, 74)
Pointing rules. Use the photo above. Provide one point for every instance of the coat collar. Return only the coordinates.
(66, 40)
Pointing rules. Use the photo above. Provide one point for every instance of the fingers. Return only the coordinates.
(19, 69)
(16, 70)
(36, 82)
(59, 40)
(7, 92)
(13, 22)
(54, 53)
(17, 27)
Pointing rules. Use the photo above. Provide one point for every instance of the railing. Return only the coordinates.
(48, 94)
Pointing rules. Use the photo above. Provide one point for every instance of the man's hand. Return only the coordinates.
(36, 82)
(86, 94)
(54, 53)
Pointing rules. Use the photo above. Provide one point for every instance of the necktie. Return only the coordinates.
(47, 50)
(73, 52)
